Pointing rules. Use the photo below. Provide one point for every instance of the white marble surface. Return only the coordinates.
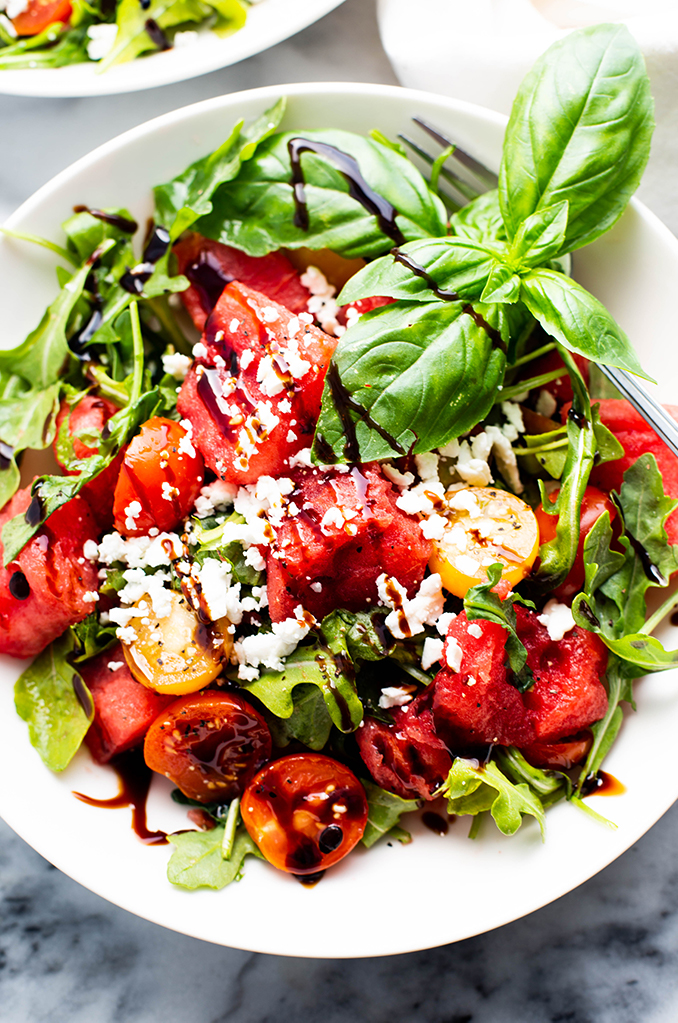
(606, 953)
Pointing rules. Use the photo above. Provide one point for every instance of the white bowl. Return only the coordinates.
(268, 23)
(393, 898)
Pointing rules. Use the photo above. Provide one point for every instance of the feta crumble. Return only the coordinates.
(558, 620)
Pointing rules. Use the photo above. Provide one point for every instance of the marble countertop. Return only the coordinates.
(605, 953)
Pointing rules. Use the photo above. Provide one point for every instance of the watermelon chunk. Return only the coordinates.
(44, 589)
(123, 708)
(254, 397)
(210, 266)
(91, 415)
(346, 531)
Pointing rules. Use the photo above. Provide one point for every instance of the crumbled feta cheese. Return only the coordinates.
(176, 365)
(546, 404)
(216, 496)
(255, 559)
(186, 38)
(394, 696)
(186, 442)
(432, 652)
(91, 550)
(453, 654)
(423, 609)
(138, 584)
(433, 527)
(115, 665)
(132, 513)
(444, 622)
(199, 351)
(247, 673)
(558, 620)
(513, 412)
(102, 36)
(126, 634)
(401, 479)
(270, 648)
(427, 466)
(90, 597)
(247, 356)
(268, 375)
(506, 458)
(475, 631)
(321, 302)
(466, 565)
(472, 461)
(465, 500)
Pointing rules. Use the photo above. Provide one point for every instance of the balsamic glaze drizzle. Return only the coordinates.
(156, 247)
(649, 568)
(358, 188)
(208, 279)
(35, 512)
(156, 35)
(125, 224)
(419, 271)
(345, 404)
(6, 455)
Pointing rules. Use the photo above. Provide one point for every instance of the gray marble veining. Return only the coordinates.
(605, 953)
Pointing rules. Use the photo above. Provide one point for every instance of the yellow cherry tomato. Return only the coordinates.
(177, 653)
(484, 526)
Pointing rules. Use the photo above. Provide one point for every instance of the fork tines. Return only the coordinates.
(488, 177)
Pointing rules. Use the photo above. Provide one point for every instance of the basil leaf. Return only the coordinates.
(317, 666)
(540, 237)
(480, 220)
(182, 200)
(256, 211)
(454, 264)
(92, 637)
(471, 788)
(503, 285)
(577, 320)
(384, 812)
(310, 722)
(409, 377)
(55, 491)
(197, 860)
(589, 97)
(133, 39)
(481, 602)
(45, 697)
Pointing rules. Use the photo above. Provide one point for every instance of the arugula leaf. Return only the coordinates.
(577, 320)
(131, 18)
(589, 95)
(309, 723)
(480, 602)
(360, 635)
(86, 233)
(471, 788)
(315, 665)
(55, 47)
(231, 16)
(55, 491)
(455, 265)
(197, 860)
(549, 786)
(182, 200)
(49, 696)
(606, 730)
(256, 211)
(26, 421)
(613, 603)
(409, 377)
(384, 812)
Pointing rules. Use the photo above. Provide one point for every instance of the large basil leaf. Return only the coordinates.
(317, 666)
(455, 265)
(577, 320)
(188, 196)
(579, 130)
(197, 860)
(410, 376)
(256, 211)
(481, 220)
(50, 696)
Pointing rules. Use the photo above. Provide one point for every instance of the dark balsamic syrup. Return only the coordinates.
(35, 512)
(419, 271)
(358, 188)
(156, 247)
(310, 880)
(135, 780)
(602, 784)
(208, 279)
(83, 695)
(674, 617)
(6, 455)
(156, 35)
(344, 405)
(434, 822)
(125, 224)
(649, 567)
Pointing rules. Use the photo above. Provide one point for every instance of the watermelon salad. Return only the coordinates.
(345, 522)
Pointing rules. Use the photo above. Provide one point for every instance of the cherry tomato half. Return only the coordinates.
(593, 504)
(305, 812)
(484, 525)
(39, 14)
(159, 481)
(209, 744)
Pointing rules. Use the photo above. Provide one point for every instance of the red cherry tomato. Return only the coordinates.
(160, 478)
(40, 14)
(305, 812)
(594, 503)
(209, 744)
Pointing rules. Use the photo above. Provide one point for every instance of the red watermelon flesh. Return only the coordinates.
(90, 415)
(210, 266)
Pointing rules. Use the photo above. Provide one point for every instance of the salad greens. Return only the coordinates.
(109, 35)
(477, 297)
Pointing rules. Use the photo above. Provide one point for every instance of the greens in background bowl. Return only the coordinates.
(500, 881)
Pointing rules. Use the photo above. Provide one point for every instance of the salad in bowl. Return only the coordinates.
(339, 533)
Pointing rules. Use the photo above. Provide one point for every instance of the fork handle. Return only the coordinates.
(651, 411)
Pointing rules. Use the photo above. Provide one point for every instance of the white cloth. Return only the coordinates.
(480, 50)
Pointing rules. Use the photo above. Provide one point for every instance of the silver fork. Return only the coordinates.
(627, 385)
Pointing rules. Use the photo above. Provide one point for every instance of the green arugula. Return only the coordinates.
(49, 696)
(197, 860)
(309, 723)
(472, 788)
(384, 812)
(481, 602)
